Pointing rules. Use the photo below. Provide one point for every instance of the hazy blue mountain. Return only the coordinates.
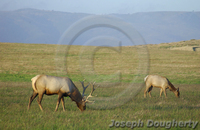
(39, 26)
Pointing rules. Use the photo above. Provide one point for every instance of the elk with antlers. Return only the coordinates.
(62, 86)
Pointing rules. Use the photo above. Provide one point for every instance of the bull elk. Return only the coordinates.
(159, 82)
(62, 86)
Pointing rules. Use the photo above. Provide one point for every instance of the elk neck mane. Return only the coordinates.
(172, 88)
(76, 95)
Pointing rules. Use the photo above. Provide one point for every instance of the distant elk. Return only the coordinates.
(62, 86)
(159, 82)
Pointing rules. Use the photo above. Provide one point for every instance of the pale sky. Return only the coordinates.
(102, 6)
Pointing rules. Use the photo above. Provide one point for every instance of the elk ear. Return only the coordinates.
(177, 89)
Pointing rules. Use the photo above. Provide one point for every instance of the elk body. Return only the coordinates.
(159, 82)
(62, 86)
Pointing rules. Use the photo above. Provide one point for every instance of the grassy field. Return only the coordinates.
(20, 62)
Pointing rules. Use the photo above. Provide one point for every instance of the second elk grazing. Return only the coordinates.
(62, 86)
(159, 82)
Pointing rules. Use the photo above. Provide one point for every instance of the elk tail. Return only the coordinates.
(34, 81)
(146, 78)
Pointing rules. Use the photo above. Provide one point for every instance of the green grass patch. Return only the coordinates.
(14, 115)
(15, 77)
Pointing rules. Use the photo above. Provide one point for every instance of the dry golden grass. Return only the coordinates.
(175, 64)
(32, 59)
(27, 58)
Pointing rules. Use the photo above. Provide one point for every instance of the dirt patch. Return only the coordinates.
(187, 48)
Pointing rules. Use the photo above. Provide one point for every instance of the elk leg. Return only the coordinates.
(40, 100)
(160, 92)
(63, 103)
(165, 93)
(34, 95)
(60, 96)
(145, 93)
(149, 91)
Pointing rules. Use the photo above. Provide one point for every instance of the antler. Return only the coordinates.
(84, 88)
(90, 95)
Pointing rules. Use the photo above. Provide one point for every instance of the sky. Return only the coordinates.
(102, 6)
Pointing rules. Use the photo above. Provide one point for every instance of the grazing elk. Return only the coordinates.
(62, 86)
(159, 82)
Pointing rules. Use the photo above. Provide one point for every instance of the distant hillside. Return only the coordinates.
(39, 26)
(190, 45)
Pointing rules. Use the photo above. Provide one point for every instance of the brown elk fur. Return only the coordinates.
(159, 82)
(62, 86)
(76, 96)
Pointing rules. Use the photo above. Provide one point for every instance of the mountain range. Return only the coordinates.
(41, 26)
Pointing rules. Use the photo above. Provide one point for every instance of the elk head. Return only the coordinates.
(177, 93)
(82, 104)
